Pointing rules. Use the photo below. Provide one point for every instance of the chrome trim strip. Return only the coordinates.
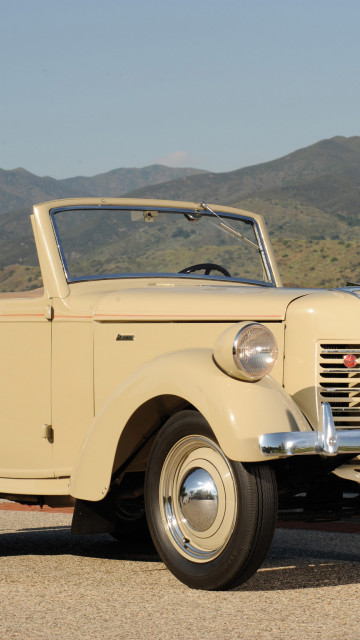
(325, 441)
(344, 370)
(115, 276)
(59, 246)
(346, 409)
(339, 390)
(354, 291)
(339, 351)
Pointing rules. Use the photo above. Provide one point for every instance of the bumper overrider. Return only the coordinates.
(325, 441)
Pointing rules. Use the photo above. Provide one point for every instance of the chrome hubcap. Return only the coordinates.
(198, 498)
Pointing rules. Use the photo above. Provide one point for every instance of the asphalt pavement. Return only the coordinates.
(55, 586)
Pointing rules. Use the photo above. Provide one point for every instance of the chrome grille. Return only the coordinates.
(339, 385)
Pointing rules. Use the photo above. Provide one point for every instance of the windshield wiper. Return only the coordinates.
(227, 226)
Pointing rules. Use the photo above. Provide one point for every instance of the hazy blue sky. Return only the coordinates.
(92, 85)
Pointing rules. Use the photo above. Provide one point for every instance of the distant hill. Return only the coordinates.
(327, 205)
(334, 157)
(310, 199)
(20, 189)
(315, 190)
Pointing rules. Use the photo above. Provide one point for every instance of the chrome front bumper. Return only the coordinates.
(326, 441)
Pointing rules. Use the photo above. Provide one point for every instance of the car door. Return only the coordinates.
(25, 387)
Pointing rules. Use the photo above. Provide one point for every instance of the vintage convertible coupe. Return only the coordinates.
(163, 380)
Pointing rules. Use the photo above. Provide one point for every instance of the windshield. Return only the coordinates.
(107, 242)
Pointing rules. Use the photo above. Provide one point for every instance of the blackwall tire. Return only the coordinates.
(212, 520)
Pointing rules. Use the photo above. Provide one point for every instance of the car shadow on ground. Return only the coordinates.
(286, 568)
(311, 575)
(58, 540)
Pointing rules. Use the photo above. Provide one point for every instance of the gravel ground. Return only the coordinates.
(55, 586)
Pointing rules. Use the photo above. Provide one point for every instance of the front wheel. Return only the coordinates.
(212, 520)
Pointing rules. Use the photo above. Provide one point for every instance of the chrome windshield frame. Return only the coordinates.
(174, 210)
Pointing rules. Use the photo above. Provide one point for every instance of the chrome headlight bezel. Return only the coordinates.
(247, 351)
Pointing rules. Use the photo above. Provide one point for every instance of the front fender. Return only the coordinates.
(237, 411)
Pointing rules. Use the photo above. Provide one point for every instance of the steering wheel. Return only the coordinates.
(208, 267)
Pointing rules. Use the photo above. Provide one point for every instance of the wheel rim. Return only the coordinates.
(198, 498)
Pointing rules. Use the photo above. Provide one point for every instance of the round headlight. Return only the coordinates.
(255, 350)
(247, 350)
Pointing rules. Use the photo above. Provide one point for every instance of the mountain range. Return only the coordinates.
(319, 182)
(20, 189)
(312, 194)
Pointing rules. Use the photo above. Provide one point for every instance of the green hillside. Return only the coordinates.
(19, 278)
(20, 189)
(310, 200)
(332, 203)
(319, 263)
(336, 157)
(324, 263)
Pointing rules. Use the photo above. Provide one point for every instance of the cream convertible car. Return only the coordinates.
(164, 381)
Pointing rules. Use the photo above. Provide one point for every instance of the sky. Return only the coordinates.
(88, 86)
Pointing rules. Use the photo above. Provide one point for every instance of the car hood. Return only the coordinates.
(163, 303)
